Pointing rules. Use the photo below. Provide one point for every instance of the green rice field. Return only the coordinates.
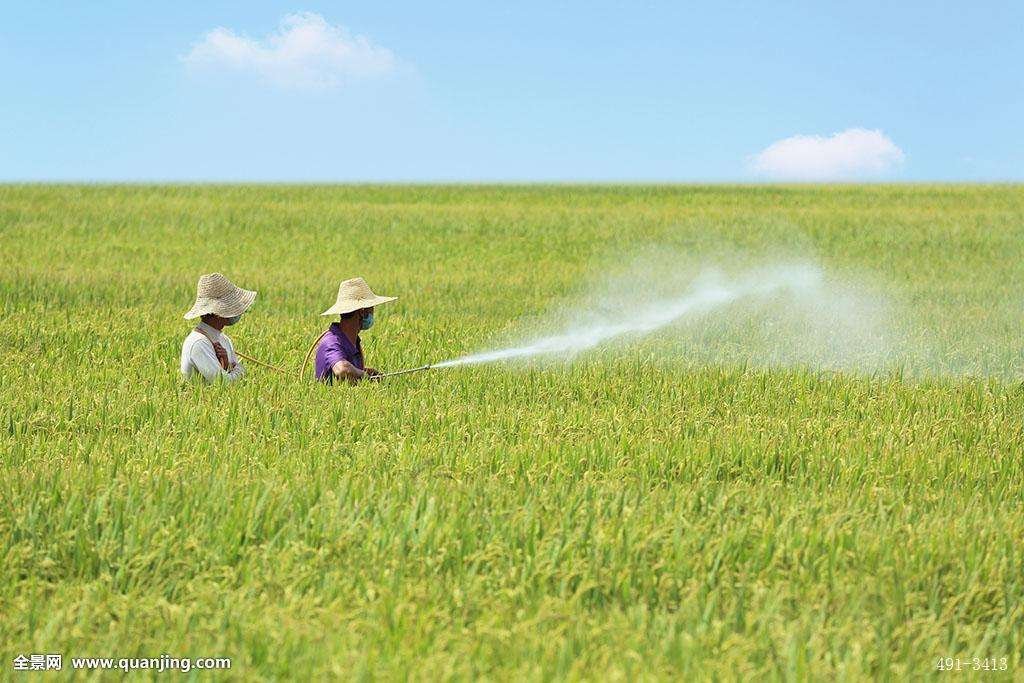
(714, 501)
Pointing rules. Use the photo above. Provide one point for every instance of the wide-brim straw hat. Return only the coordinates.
(218, 295)
(353, 295)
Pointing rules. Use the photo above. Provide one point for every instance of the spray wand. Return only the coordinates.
(403, 372)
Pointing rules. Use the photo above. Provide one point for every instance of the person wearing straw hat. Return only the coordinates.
(207, 351)
(340, 353)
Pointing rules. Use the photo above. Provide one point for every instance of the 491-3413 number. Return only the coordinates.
(972, 664)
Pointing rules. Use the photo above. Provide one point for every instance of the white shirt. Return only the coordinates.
(197, 355)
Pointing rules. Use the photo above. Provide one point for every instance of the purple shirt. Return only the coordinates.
(333, 347)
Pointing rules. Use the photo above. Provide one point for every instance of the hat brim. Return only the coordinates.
(343, 307)
(225, 308)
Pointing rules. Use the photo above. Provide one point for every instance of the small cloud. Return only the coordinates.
(305, 52)
(853, 153)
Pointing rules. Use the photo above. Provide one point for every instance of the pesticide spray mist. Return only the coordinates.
(788, 314)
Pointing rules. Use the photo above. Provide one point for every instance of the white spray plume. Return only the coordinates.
(673, 307)
(705, 295)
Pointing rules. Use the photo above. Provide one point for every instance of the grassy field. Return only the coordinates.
(634, 514)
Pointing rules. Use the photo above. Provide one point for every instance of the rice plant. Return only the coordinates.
(696, 504)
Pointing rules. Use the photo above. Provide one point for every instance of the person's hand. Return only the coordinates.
(222, 356)
(372, 374)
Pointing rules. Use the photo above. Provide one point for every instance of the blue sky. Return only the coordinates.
(527, 91)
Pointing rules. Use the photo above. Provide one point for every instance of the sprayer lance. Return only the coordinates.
(405, 372)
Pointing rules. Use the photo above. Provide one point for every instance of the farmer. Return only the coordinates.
(207, 350)
(340, 353)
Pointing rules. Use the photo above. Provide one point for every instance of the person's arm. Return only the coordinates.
(234, 373)
(205, 360)
(336, 363)
(235, 367)
(343, 369)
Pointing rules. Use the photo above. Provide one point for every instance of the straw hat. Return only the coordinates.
(216, 294)
(355, 294)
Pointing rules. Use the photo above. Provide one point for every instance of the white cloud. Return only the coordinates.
(853, 153)
(305, 52)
